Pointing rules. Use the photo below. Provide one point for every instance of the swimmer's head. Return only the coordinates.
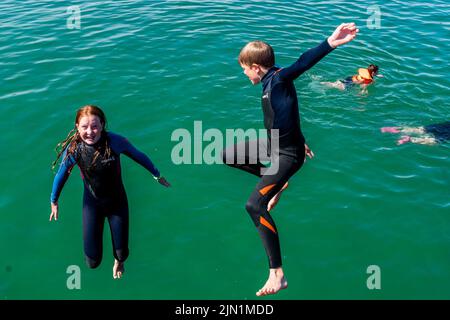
(90, 123)
(256, 58)
(373, 69)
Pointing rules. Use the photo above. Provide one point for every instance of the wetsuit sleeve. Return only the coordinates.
(306, 61)
(129, 150)
(61, 176)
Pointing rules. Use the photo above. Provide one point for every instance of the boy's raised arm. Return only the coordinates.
(344, 33)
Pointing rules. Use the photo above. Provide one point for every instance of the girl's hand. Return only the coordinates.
(308, 152)
(346, 32)
(54, 213)
(163, 182)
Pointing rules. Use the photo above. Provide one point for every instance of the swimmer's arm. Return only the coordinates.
(364, 88)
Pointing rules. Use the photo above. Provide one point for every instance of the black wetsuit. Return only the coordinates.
(348, 82)
(440, 131)
(104, 193)
(280, 108)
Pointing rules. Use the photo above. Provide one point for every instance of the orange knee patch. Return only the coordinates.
(266, 223)
(266, 189)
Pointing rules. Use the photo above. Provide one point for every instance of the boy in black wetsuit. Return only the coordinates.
(285, 146)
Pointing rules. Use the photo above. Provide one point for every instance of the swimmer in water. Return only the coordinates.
(288, 153)
(431, 134)
(97, 154)
(364, 77)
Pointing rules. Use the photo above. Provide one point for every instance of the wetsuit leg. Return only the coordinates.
(244, 157)
(268, 186)
(119, 224)
(247, 156)
(348, 82)
(93, 221)
(440, 131)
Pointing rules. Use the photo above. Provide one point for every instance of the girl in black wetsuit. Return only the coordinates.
(285, 146)
(97, 153)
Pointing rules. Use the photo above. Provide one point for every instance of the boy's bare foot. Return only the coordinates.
(118, 269)
(273, 202)
(275, 283)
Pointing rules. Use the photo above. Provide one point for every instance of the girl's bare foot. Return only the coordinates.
(118, 269)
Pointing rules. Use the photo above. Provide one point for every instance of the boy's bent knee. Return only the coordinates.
(254, 210)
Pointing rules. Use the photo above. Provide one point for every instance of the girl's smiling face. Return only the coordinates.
(90, 129)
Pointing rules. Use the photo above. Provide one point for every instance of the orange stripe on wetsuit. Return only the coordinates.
(263, 221)
(266, 189)
(266, 223)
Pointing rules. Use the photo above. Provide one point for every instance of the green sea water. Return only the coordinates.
(157, 66)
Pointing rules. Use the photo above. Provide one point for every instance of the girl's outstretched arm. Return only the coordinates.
(122, 145)
(58, 182)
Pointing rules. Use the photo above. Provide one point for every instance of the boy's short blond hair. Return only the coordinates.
(257, 52)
